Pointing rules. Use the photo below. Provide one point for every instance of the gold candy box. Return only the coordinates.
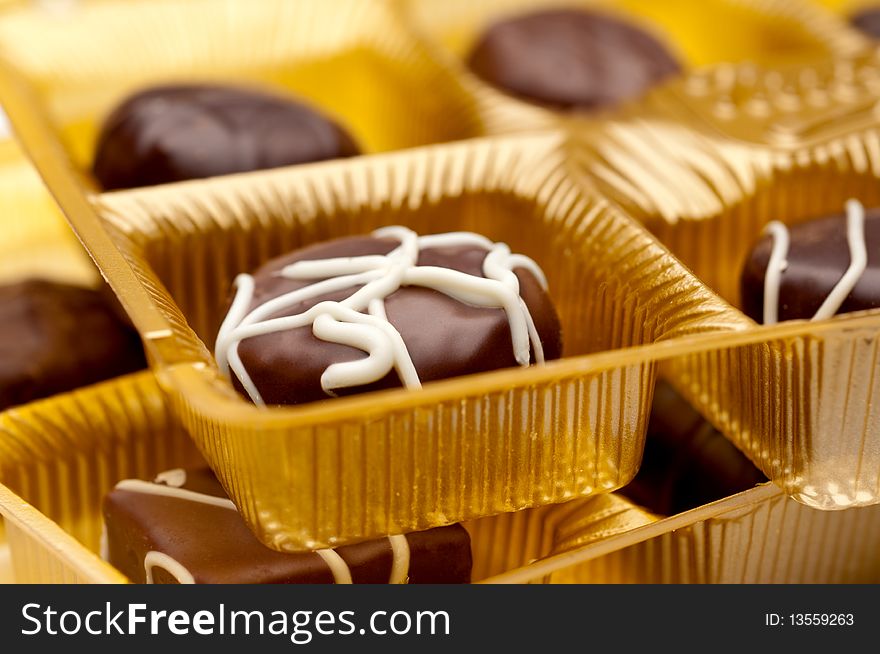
(580, 197)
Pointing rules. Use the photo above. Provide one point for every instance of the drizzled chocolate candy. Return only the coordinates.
(58, 337)
(392, 309)
(182, 528)
(816, 269)
(687, 462)
(173, 133)
(571, 59)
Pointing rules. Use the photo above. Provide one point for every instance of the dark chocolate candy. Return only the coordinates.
(214, 545)
(817, 258)
(445, 337)
(57, 337)
(867, 21)
(687, 462)
(173, 133)
(570, 58)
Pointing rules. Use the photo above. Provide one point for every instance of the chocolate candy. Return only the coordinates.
(867, 20)
(571, 59)
(173, 133)
(57, 338)
(814, 283)
(452, 307)
(182, 528)
(687, 462)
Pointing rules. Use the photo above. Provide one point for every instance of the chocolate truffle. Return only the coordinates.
(823, 267)
(57, 338)
(173, 133)
(571, 59)
(867, 21)
(391, 309)
(182, 528)
(687, 462)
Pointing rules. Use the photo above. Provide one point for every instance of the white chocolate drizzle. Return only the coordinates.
(171, 566)
(400, 562)
(359, 321)
(177, 477)
(855, 237)
(338, 566)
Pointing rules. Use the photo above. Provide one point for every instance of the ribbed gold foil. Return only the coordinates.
(509, 541)
(358, 467)
(758, 536)
(59, 457)
(762, 145)
(773, 33)
(349, 58)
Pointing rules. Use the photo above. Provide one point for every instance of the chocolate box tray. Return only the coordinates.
(59, 456)
(395, 461)
(158, 248)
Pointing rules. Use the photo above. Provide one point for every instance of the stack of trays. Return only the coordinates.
(641, 220)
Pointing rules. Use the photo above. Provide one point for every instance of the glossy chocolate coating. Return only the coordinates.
(173, 133)
(215, 545)
(57, 337)
(687, 462)
(818, 257)
(867, 21)
(569, 58)
(445, 337)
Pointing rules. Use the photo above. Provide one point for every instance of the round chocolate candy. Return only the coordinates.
(174, 133)
(392, 309)
(57, 338)
(570, 58)
(820, 268)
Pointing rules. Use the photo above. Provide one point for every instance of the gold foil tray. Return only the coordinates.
(773, 33)
(759, 536)
(59, 457)
(358, 467)
(348, 57)
(762, 145)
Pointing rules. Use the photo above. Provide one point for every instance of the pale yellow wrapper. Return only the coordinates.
(350, 59)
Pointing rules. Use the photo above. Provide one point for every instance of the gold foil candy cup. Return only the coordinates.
(776, 33)
(59, 457)
(350, 59)
(510, 541)
(354, 468)
(759, 536)
(761, 145)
